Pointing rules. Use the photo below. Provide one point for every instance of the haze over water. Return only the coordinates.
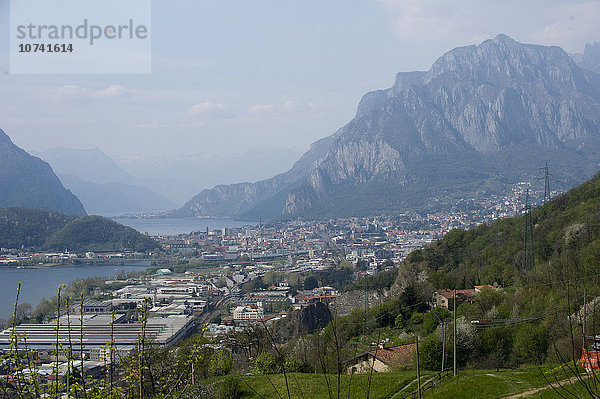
(174, 226)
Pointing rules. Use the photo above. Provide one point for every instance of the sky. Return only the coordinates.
(232, 75)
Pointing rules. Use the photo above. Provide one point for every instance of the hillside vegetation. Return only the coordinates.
(531, 321)
(485, 384)
(535, 314)
(566, 244)
(48, 230)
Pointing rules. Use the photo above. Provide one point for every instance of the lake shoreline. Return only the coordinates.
(40, 283)
(83, 262)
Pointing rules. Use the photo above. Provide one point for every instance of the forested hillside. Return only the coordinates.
(48, 230)
(534, 313)
(566, 245)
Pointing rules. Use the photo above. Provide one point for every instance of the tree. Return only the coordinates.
(220, 363)
(253, 285)
(271, 278)
(250, 341)
(23, 312)
(310, 282)
(230, 388)
(430, 353)
(361, 265)
(265, 363)
(345, 265)
(221, 282)
(531, 344)
(294, 280)
(495, 347)
(466, 342)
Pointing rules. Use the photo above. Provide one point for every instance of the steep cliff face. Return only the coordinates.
(264, 198)
(302, 322)
(478, 113)
(29, 182)
(590, 59)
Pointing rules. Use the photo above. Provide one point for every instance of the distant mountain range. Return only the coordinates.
(137, 184)
(91, 165)
(102, 185)
(481, 119)
(178, 178)
(114, 199)
(27, 181)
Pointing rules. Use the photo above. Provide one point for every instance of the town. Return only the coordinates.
(224, 280)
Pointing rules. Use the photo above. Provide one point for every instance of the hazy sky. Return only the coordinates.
(232, 75)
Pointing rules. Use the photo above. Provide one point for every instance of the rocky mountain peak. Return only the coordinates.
(500, 59)
(463, 123)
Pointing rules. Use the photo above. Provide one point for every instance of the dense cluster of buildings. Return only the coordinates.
(314, 245)
(174, 302)
(307, 241)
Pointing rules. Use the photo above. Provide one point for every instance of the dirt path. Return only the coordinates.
(569, 381)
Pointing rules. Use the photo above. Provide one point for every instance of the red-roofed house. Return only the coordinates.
(383, 359)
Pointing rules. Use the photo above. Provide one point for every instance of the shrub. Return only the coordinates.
(265, 363)
(531, 344)
(430, 353)
(230, 388)
(220, 363)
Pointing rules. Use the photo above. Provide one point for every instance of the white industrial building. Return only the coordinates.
(97, 332)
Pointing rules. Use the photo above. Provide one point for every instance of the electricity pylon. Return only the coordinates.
(528, 256)
(546, 178)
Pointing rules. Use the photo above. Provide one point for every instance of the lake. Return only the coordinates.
(37, 284)
(41, 283)
(174, 226)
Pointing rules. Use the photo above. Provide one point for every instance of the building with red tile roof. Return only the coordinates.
(383, 359)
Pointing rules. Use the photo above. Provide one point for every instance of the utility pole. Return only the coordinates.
(443, 324)
(584, 314)
(546, 178)
(418, 369)
(455, 373)
(443, 345)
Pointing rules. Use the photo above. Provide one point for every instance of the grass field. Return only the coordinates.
(525, 382)
(304, 386)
